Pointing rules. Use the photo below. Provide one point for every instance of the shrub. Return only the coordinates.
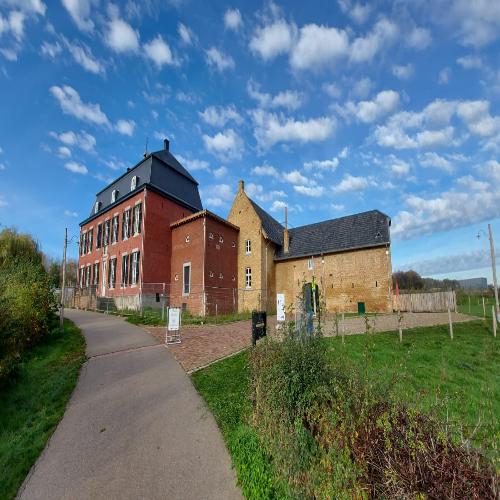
(334, 431)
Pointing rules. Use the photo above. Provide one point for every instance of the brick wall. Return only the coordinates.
(365, 269)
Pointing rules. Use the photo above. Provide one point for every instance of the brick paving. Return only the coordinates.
(205, 344)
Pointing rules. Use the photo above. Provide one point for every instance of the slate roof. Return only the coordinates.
(161, 172)
(364, 230)
(272, 228)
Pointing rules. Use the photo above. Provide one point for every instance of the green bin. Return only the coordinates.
(361, 308)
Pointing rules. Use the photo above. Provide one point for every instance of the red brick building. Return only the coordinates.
(126, 241)
(204, 268)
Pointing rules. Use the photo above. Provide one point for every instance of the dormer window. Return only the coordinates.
(114, 195)
(97, 206)
(133, 183)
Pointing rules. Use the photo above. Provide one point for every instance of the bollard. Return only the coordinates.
(451, 326)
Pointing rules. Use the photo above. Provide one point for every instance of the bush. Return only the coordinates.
(27, 303)
(334, 431)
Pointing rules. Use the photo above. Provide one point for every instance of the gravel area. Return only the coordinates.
(204, 344)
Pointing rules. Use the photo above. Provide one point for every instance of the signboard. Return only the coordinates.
(173, 319)
(281, 307)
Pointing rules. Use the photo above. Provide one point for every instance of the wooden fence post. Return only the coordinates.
(399, 326)
(469, 305)
(484, 309)
(343, 327)
(494, 321)
(337, 323)
(451, 326)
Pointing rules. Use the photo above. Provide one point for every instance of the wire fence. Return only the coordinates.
(151, 301)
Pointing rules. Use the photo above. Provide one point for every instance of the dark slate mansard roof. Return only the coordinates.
(364, 230)
(161, 172)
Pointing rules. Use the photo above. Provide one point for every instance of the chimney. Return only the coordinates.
(166, 144)
(286, 237)
(241, 186)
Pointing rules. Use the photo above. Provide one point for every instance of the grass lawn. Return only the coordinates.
(461, 367)
(31, 408)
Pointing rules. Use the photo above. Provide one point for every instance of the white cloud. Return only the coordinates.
(383, 35)
(103, 178)
(71, 104)
(436, 161)
(9, 54)
(232, 19)
(120, 36)
(419, 38)
(69, 213)
(361, 89)
(76, 168)
(82, 140)
(226, 145)
(398, 167)
(1, 150)
(290, 100)
(186, 34)
(444, 76)
(469, 182)
(64, 152)
(271, 195)
(273, 40)
(314, 191)
(344, 153)
(220, 173)
(369, 111)
(51, 50)
(337, 208)
(332, 89)
(478, 119)
(470, 62)
(131, 104)
(459, 157)
(215, 58)
(27, 6)
(125, 127)
(265, 170)
(329, 165)
(159, 52)
(254, 190)
(79, 10)
(218, 118)
(278, 206)
(360, 13)
(295, 177)
(270, 129)
(84, 57)
(194, 164)
(351, 183)
(15, 23)
(190, 97)
(218, 196)
(318, 46)
(155, 114)
(403, 72)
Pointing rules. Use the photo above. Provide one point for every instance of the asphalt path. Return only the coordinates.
(135, 427)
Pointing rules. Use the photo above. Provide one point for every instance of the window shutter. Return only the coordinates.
(98, 242)
(133, 220)
(137, 267)
(140, 217)
(128, 224)
(107, 232)
(109, 272)
(97, 274)
(130, 271)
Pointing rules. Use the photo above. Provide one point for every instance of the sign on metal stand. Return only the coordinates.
(259, 325)
(281, 307)
(173, 326)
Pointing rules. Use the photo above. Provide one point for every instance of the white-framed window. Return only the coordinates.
(186, 278)
(105, 239)
(114, 229)
(87, 275)
(176, 277)
(211, 274)
(124, 279)
(234, 278)
(248, 277)
(310, 264)
(187, 239)
(81, 276)
(221, 239)
(220, 276)
(136, 219)
(97, 206)
(112, 273)
(99, 236)
(126, 224)
(90, 239)
(133, 183)
(233, 244)
(96, 273)
(248, 246)
(211, 236)
(134, 268)
(114, 194)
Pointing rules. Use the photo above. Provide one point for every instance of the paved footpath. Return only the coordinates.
(135, 427)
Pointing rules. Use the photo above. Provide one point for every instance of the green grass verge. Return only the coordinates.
(32, 406)
(430, 361)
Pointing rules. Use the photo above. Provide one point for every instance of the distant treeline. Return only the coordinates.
(411, 280)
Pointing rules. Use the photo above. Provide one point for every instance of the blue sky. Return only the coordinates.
(328, 110)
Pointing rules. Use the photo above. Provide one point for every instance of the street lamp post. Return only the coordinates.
(61, 314)
(490, 237)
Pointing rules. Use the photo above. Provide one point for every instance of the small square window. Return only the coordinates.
(211, 274)
(248, 277)
(221, 239)
(211, 236)
(220, 276)
(114, 195)
(232, 244)
(234, 278)
(187, 239)
(310, 264)
(176, 277)
(248, 246)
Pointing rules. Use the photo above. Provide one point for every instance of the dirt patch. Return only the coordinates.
(204, 344)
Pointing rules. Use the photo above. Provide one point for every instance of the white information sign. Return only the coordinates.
(281, 307)
(173, 319)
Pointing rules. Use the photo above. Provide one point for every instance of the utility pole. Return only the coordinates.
(61, 314)
(494, 269)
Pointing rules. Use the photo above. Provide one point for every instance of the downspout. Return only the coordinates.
(204, 243)
(141, 274)
(388, 277)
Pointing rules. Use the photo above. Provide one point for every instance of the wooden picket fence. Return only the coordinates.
(426, 302)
